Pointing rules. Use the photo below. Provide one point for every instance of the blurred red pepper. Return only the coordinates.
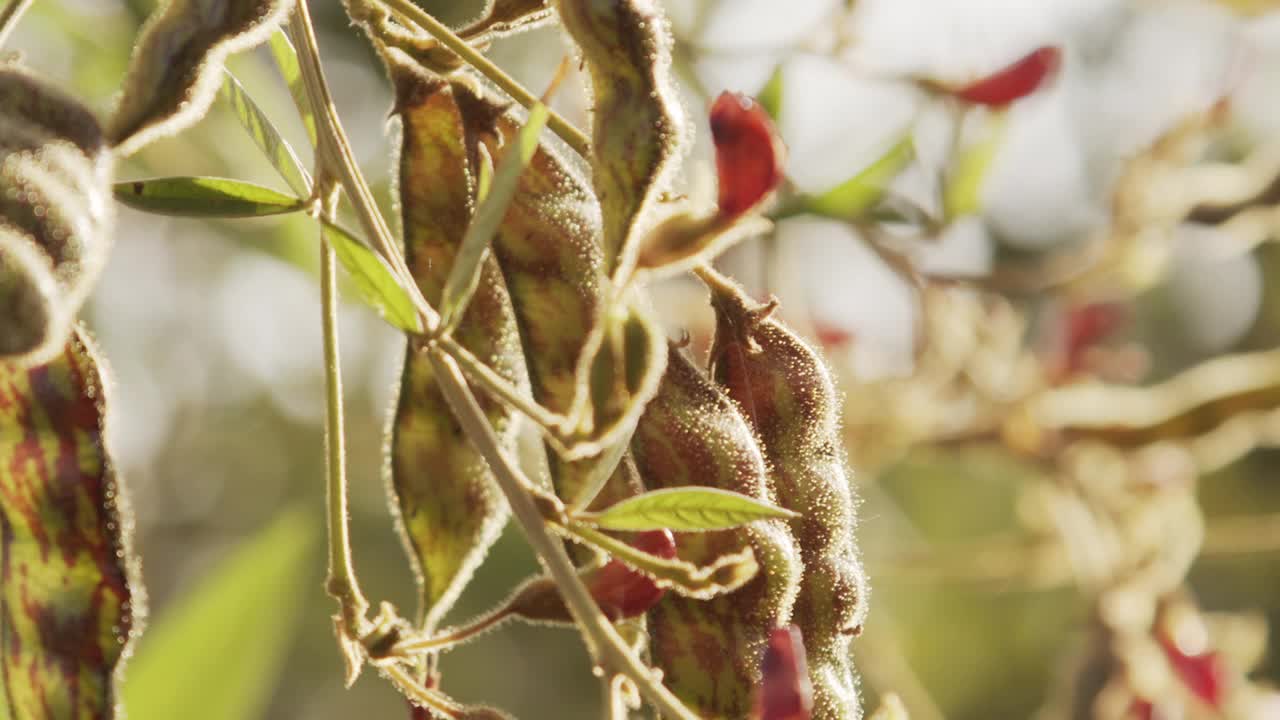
(1013, 82)
(749, 152)
(785, 693)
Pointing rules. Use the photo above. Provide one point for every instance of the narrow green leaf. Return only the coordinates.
(68, 585)
(216, 654)
(375, 281)
(853, 197)
(770, 96)
(963, 192)
(464, 277)
(287, 61)
(204, 197)
(173, 74)
(688, 509)
(265, 135)
(726, 574)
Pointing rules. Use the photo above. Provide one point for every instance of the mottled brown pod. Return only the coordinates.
(450, 509)
(787, 395)
(56, 214)
(710, 650)
(636, 119)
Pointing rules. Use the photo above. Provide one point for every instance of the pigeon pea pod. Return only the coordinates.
(787, 395)
(691, 434)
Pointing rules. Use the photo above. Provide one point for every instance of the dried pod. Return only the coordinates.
(549, 251)
(55, 214)
(69, 598)
(450, 508)
(174, 72)
(709, 650)
(787, 395)
(636, 120)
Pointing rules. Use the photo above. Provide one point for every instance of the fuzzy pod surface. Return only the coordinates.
(56, 214)
(787, 394)
(451, 510)
(710, 650)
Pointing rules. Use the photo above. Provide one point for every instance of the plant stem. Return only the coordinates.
(341, 583)
(336, 151)
(454, 636)
(603, 641)
(572, 136)
(414, 689)
(9, 17)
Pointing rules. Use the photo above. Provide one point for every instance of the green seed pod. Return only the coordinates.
(549, 251)
(710, 650)
(450, 508)
(637, 119)
(174, 72)
(56, 214)
(787, 394)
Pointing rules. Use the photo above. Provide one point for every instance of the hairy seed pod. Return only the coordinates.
(549, 251)
(56, 214)
(450, 508)
(636, 119)
(787, 394)
(710, 650)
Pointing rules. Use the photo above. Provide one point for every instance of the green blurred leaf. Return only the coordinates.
(66, 580)
(963, 192)
(770, 96)
(850, 199)
(265, 135)
(287, 61)
(216, 654)
(688, 509)
(374, 280)
(464, 277)
(204, 197)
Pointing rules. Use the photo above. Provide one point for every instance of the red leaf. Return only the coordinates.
(622, 592)
(1013, 82)
(749, 152)
(785, 693)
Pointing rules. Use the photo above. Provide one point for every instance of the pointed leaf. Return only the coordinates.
(69, 596)
(55, 213)
(374, 280)
(723, 575)
(216, 654)
(173, 73)
(963, 192)
(287, 62)
(265, 135)
(853, 197)
(688, 509)
(204, 197)
(464, 277)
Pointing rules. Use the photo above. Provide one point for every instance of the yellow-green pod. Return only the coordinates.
(451, 511)
(709, 650)
(786, 393)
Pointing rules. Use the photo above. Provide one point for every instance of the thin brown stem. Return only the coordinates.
(9, 17)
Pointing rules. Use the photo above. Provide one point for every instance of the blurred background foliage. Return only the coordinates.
(213, 337)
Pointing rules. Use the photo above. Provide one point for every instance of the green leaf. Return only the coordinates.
(853, 197)
(688, 509)
(963, 192)
(216, 654)
(287, 61)
(68, 579)
(204, 197)
(374, 280)
(265, 135)
(725, 574)
(464, 277)
(173, 73)
(770, 96)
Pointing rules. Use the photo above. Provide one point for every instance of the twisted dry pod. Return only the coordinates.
(786, 393)
(710, 650)
(451, 511)
(56, 214)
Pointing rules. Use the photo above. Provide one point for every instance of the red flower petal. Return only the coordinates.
(749, 153)
(1015, 81)
(1205, 674)
(622, 592)
(785, 693)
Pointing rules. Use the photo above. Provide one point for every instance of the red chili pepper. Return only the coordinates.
(1013, 82)
(749, 152)
(622, 592)
(785, 693)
